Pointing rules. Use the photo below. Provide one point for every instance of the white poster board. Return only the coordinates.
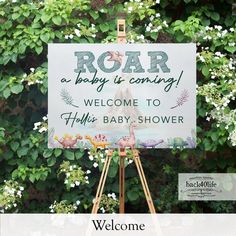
(122, 95)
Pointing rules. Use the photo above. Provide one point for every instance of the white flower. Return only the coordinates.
(77, 202)
(43, 129)
(21, 188)
(36, 125)
(71, 36)
(218, 54)
(91, 158)
(165, 23)
(113, 195)
(72, 185)
(201, 58)
(231, 29)
(102, 209)
(88, 172)
(218, 27)
(141, 36)
(77, 183)
(157, 1)
(86, 177)
(130, 9)
(67, 174)
(77, 32)
(148, 29)
(66, 36)
(94, 35)
(151, 18)
(66, 181)
(158, 14)
(14, 204)
(95, 164)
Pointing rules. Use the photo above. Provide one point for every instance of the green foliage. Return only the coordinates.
(26, 28)
(109, 203)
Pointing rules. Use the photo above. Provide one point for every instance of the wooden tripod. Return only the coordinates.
(122, 154)
(121, 38)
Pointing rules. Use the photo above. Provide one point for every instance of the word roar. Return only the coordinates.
(132, 64)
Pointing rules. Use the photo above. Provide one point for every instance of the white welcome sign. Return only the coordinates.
(122, 95)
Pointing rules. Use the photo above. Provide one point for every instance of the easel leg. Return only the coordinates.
(101, 184)
(122, 184)
(144, 182)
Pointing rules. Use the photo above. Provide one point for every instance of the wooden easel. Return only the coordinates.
(121, 38)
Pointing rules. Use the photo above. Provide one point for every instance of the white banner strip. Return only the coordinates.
(115, 224)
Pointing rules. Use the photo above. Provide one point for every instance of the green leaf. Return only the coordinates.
(132, 195)
(112, 171)
(45, 17)
(51, 161)
(14, 16)
(3, 85)
(22, 151)
(104, 27)
(214, 136)
(47, 153)
(14, 145)
(94, 14)
(86, 22)
(39, 49)
(56, 20)
(205, 71)
(6, 93)
(34, 155)
(57, 152)
(79, 154)
(215, 16)
(45, 37)
(8, 154)
(21, 48)
(32, 178)
(17, 88)
(154, 35)
(69, 155)
(180, 37)
(231, 49)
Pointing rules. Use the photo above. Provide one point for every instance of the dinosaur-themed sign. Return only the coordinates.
(122, 95)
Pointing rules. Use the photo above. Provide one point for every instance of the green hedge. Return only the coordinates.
(36, 179)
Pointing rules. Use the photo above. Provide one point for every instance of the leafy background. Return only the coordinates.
(36, 179)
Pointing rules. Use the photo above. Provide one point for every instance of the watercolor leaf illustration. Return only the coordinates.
(67, 98)
(182, 99)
